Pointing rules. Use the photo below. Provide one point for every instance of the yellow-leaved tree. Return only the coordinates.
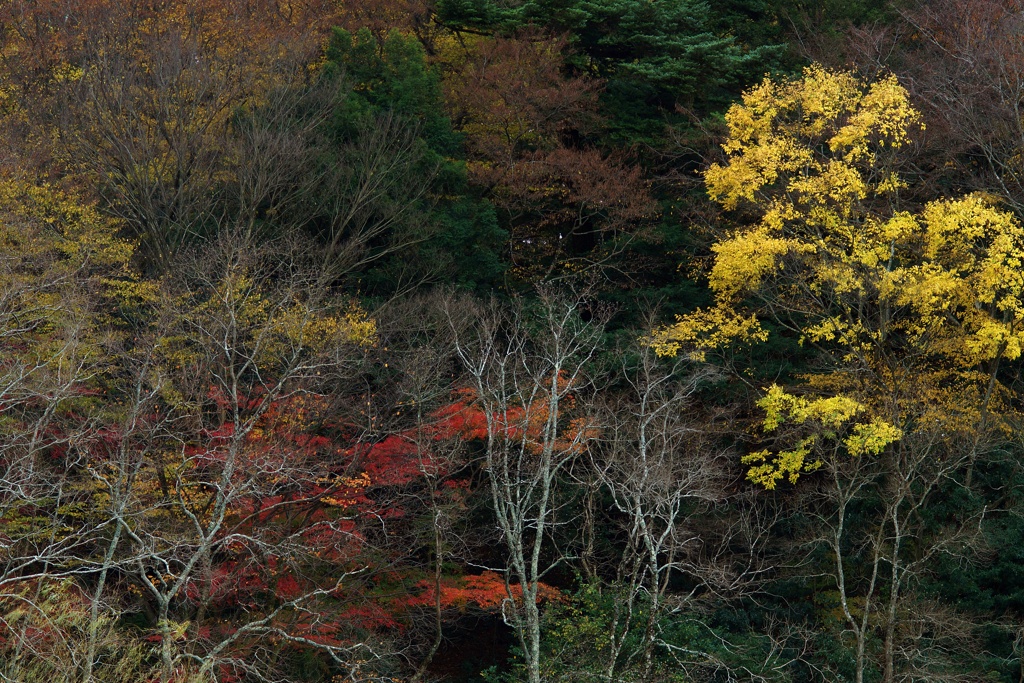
(914, 315)
(64, 275)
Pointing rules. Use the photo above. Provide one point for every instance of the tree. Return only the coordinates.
(216, 491)
(527, 380)
(652, 55)
(140, 97)
(62, 263)
(662, 472)
(416, 188)
(568, 205)
(913, 318)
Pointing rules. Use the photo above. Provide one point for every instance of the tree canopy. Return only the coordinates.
(547, 341)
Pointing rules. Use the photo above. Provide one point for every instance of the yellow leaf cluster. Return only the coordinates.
(939, 293)
(806, 153)
(268, 327)
(74, 229)
(706, 330)
(778, 131)
(57, 253)
(831, 420)
(832, 412)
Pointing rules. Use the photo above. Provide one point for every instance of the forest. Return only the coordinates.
(511, 341)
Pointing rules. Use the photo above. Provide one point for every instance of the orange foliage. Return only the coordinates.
(485, 591)
(465, 418)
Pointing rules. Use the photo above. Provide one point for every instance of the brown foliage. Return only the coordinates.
(383, 16)
(526, 122)
(512, 97)
(145, 87)
(566, 203)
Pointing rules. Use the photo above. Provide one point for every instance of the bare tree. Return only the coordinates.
(231, 479)
(53, 362)
(662, 470)
(529, 372)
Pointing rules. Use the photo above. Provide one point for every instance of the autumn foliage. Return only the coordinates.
(618, 341)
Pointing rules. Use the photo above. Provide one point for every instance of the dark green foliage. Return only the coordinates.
(389, 77)
(832, 15)
(653, 56)
(451, 235)
(696, 642)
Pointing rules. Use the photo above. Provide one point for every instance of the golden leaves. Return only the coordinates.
(871, 438)
(830, 420)
(743, 262)
(832, 412)
(777, 133)
(704, 330)
(933, 296)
